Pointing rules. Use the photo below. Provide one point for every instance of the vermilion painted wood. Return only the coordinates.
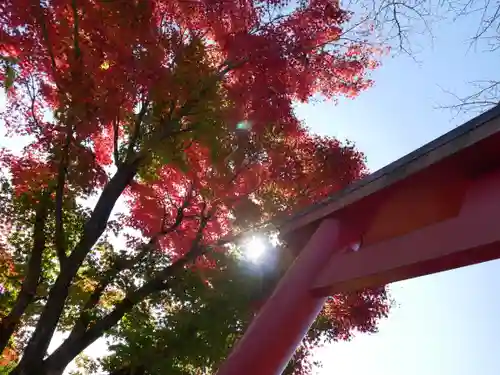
(279, 327)
(473, 236)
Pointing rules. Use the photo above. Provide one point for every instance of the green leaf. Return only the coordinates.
(10, 76)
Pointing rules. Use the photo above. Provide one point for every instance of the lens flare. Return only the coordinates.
(255, 248)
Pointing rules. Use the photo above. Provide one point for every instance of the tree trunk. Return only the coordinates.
(56, 363)
(75, 344)
(9, 324)
(32, 359)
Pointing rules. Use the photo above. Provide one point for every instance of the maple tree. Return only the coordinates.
(174, 122)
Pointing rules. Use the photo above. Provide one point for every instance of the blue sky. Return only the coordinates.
(444, 324)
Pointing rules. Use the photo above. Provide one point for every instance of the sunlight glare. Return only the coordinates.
(255, 248)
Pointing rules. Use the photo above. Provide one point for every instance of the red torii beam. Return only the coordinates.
(436, 209)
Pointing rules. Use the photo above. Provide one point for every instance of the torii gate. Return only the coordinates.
(436, 209)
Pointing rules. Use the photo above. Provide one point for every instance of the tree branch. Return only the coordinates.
(136, 131)
(116, 156)
(487, 95)
(60, 239)
(155, 285)
(9, 324)
(48, 45)
(32, 94)
(125, 264)
(76, 343)
(119, 266)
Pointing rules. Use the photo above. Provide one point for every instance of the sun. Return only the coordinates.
(255, 248)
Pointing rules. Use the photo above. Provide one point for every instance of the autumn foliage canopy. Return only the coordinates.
(153, 131)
